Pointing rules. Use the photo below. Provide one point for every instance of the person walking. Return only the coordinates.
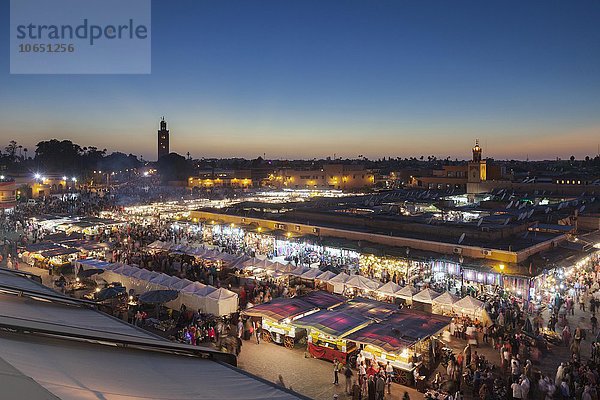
(371, 388)
(516, 391)
(380, 386)
(348, 374)
(256, 327)
(389, 376)
(336, 371)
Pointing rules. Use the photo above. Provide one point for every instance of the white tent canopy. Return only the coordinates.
(426, 296)
(312, 273)
(443, 303)
(389, 288)
(182, 284)
(469, 305)
(325, 276)
(362, 283)
(299, 271)
(338, 282)
(340, 278)
(446, 298)
(192, 294)
(221, 302)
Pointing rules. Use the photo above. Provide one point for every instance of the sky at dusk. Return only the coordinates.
(310, 78)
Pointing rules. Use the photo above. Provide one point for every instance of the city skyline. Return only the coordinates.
(312, 79)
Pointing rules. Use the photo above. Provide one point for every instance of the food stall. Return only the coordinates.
(277, 317)
(321, 281)
(338, 283)
(358, 284)
(406, 340)
(388, 291)
(406, 293)
(327, 334)
(473, 308)
(424, 299)
(443, 303)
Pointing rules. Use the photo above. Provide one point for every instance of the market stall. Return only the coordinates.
(221, 302)
(407, 293)
(327, 334)
(359, 284)
(311, 274)
(194, 295)
(443, 303)
(138, 280)
(85, 264)
(338, 282)
(406, 340)
(389, 289)
(277, 316)
(470, 307)
(321, 281)
(424, 299)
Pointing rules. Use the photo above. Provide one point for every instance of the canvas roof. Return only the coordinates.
(401, 330)
(426, 295)
(389, 288)
(280, 309)
(377, 310)
(332, 322)
(362, 283)
(323, 299)
(469, 303)
(446, 298)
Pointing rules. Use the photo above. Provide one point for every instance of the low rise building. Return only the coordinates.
(329, 176)
(224, 178)
(8, 193)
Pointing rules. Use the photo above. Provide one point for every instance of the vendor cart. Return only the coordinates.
(328, 330)
(329, 348)
(281, 333)
(276, 319)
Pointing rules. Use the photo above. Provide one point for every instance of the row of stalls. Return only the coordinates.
(203, 252)
(337, 329)
(425, 300)
(89, 226)
(357, 285)
(307, 249)
(194, 295)
(60, 250)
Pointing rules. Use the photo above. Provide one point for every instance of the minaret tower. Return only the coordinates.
(163, 139)
(477, 167)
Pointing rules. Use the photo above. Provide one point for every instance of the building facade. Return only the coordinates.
(240, 179)
(8, 194)
(466, 177)
(329, 176)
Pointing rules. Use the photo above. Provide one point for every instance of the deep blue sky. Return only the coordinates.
(312, 78)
